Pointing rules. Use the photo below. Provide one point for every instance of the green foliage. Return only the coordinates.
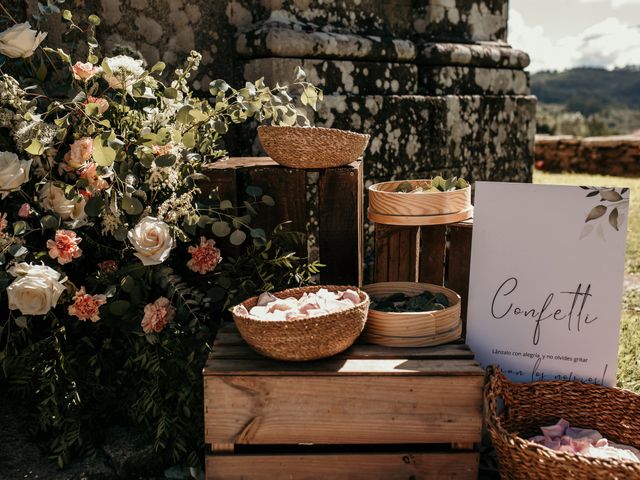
(588, 101)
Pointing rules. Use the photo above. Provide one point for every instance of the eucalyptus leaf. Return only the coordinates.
(253, 191)
(132, 205)
(34, 147)
(49, 222)
(610, 196)
(226, 205)
(238, 237)
(165, 160)
(613, 218)
(19, 227)
(171, 93)
(220, 229)
(119, 307)
(268, 200)
(94, 206)
(103, 154)
(21, 321)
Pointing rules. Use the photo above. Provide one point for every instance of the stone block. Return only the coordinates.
(340, 76)
(456, 80)
(276, 39)
(482, 54)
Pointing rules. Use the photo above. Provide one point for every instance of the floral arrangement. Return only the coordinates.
(111, 274)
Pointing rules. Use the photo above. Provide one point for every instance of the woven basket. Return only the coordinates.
(307, 338)
(412, 329)
(311, 147)
(615, 413)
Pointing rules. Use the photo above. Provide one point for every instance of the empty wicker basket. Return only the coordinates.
(304, 339)
(311, 147)
(615, 413)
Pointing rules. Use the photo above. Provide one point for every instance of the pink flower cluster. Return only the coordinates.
(79, 153)
(84, 71)
(157, 315)
(204, 257)
(85, 306)
(102, 103)
(161, 149)
(89, 173)
(64, 247)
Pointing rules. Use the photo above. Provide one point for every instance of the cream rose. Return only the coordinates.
(152, 240)
(36, 290)
(13, 173)
(52, 198)
(20, 41)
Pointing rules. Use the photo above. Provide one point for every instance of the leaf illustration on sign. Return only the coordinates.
(610, 209)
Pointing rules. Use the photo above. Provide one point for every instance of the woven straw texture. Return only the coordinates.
(615, 413)
(302, 147)
(308, 338)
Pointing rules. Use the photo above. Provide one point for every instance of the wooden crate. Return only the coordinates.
(326, 204)
(438, 254)
(369, 413)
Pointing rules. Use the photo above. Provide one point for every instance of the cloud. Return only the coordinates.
(607, 44)
(614, 3)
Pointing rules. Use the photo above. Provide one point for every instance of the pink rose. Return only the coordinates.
(80, 151)
(85, 306)
(25, 210)
(157, 315)
(64, 247)
(83, 71)
(89, 173)
(103, 104)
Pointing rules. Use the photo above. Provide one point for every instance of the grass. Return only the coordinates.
(629, 352)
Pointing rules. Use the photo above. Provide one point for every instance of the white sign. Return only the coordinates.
(545, 289)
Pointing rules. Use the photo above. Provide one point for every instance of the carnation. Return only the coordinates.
(64, 247)
(205, 257)
(157, 315)
(85, 306)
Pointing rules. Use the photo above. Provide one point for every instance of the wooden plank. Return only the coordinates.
(242, 162)
(264, 410)
(340, 200)
(459, 264)
(340, 466)
(288, 188)
(362, 351)
(381, 247)
(395, 253)
(344, 367)
(433, 241)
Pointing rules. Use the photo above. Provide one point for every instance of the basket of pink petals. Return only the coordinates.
(303, 323)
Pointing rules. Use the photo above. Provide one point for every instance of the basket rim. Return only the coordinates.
(456, 295)
(316, 129)
(309, 288)
(495, 377)
(375, 188)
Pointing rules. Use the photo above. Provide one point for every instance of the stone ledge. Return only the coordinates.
(456, 80)
(340, 76)
(275, 39)
(472, 54)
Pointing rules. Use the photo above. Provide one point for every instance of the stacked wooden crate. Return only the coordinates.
(370, 413)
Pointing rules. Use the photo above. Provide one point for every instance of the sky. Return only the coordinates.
(562, 34)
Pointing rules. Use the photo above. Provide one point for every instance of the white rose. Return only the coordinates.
(20, 41)
(53, 198)
(36, 290)
(13, 173)
(152, 240)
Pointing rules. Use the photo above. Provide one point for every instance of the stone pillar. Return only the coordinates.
(433, 81)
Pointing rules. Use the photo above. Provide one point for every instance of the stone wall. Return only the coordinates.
(615, 155)
(433, 81)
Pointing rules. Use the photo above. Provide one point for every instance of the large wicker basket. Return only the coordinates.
(304, 339)
(311, 147)
(615, 413)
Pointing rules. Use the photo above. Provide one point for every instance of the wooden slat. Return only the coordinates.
(396, 253)
(242, 162)
(288, 188)
(344, 367)
(357, 466)
(263, 410)
(432, 254)
(381, 260)
(442, 352)
(459, 264)
(340, 224)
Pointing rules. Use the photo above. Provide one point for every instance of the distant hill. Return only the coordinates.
(608, 97)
